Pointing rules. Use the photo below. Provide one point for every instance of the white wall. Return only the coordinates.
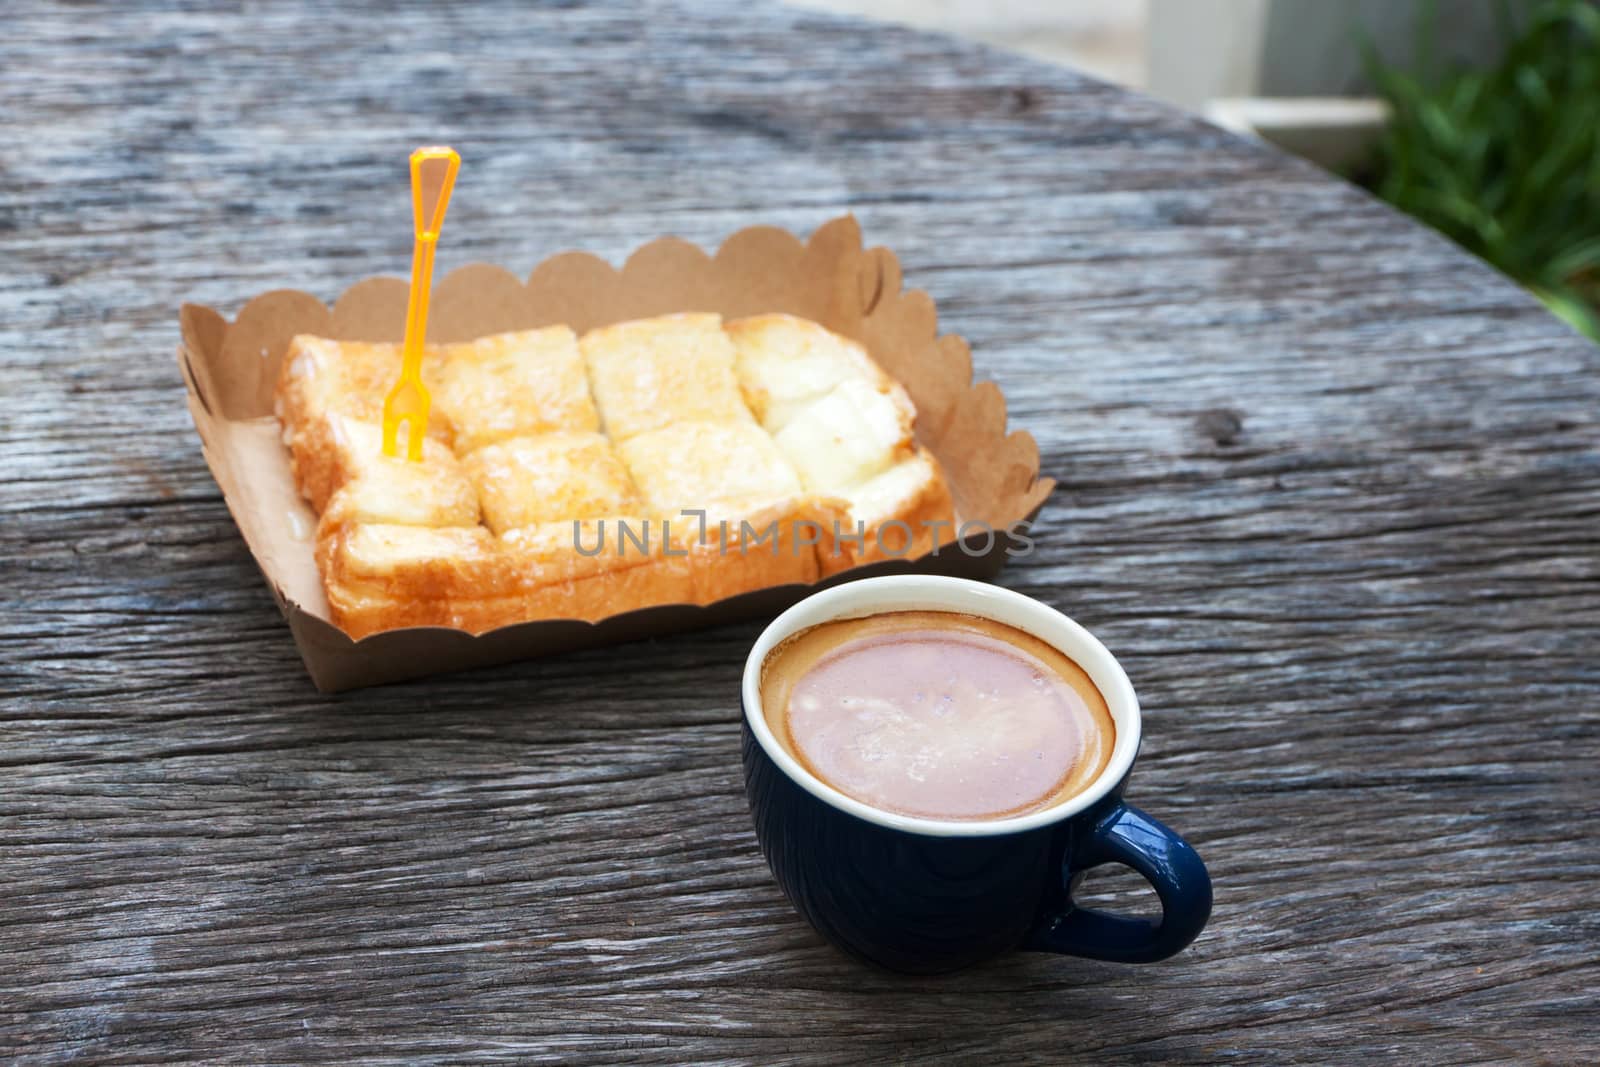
(1199, 50)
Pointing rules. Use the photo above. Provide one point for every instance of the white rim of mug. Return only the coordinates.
(927, 592)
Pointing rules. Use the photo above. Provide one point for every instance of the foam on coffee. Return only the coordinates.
(937, 714)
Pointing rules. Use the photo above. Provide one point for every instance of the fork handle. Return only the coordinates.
(417, 306)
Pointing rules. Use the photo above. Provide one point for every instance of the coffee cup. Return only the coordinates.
(925, 895)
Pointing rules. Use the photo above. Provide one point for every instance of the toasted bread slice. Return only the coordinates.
(385, 577)
(744, 545)
(695, 464)
(593, 569)
(651, 372)
(902, 513)
(513, 385)
(321, 377)
(530, 480)
(784, 362)
(853, 432)
(327, 387)
(340, 467)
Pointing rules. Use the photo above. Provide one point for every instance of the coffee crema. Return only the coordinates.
(937, 714)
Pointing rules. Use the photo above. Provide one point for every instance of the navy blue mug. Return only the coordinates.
(928, 895)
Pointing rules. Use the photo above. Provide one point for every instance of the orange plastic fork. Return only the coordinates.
(408, 401)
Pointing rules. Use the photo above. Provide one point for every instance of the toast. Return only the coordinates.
(343, 471)
(668, 460)
(847, 428)
(531, 480)
(696, 464)
(652, 372)
(903, 513)
(385, 577)
(783, 362)
(513, 385)
(320, 377)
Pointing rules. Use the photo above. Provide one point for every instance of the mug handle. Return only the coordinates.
(1128, 836)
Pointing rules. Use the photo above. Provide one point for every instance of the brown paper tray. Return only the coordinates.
(231, 370)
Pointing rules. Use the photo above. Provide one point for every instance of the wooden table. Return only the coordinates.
(1329, 487)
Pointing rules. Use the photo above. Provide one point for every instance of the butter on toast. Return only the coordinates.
(652, 372)
(551, 477)
(694, 464)
(513, 385)
(847, 428)
(350, 479)
(784, 362)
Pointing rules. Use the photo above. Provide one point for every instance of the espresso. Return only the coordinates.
(937, 714)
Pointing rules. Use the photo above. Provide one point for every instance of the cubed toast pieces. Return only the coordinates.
(325, 384)
(853, 432)
(321, 377)
(593, 569)
(384, 577)
(903, 513)
(831, 410)
(847, 429)
(558, 476)
(688, 441)
(513, 385)
(652, 372)
(750, 544)
(783, 362)
(732, 473)
(506, 385)
(346, 476)
(694, 464)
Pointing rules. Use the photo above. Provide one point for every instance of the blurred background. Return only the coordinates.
(1479, 117)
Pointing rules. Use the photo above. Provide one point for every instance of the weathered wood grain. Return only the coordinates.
(1329, 487)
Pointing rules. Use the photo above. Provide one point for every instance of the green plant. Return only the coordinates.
(1506, 160)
